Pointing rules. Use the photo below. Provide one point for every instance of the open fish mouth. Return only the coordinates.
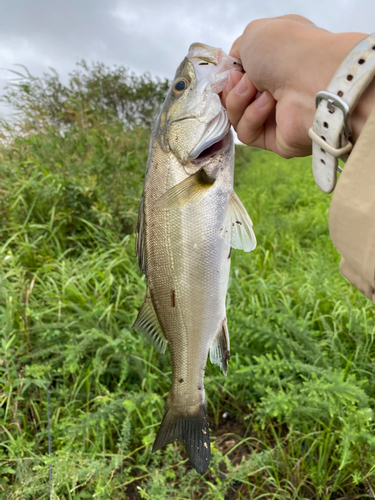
(216, 130)
(212, 150)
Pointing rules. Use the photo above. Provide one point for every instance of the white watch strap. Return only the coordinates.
(333, 107)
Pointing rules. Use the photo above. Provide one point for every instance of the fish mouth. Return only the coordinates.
(212, 150)
(216, 130)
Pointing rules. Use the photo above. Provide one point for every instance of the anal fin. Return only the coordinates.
(220, 349)
(147, 322)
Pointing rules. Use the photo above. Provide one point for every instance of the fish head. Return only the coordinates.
(193, 118)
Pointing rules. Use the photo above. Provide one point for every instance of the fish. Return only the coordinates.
(189, 220)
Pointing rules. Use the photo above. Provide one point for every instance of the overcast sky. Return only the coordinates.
(146, 35)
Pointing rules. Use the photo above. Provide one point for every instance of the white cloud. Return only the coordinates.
(145, 35)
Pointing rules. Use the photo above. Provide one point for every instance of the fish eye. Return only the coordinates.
(180, 86)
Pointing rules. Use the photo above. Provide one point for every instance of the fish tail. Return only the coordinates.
(192, 430)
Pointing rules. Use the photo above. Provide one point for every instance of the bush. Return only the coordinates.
(94, 94)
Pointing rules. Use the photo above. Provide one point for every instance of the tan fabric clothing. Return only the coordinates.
(352, 213)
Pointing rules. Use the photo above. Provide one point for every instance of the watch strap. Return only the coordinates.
(330, 132)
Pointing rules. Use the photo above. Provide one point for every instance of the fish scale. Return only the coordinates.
(189, 219)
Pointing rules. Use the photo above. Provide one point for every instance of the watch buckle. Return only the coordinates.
(333, 102)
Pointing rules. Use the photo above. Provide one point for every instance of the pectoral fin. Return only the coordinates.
(220, 349)
(237, 229)
(189, 190)
(147, 322)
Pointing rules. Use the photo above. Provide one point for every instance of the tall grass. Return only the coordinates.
(294, 417)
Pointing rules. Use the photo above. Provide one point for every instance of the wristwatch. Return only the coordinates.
(330, 133)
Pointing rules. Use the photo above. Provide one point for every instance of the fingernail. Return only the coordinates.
(230, 84)
(261, 101)
(241, 86)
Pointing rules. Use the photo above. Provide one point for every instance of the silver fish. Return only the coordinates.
(189, 220)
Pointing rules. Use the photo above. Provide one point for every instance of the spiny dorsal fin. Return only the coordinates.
(140, 241)
(237, 229)
(147, 322)
(220, 349)
(190, 189)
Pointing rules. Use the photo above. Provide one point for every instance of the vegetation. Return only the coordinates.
(294, 417)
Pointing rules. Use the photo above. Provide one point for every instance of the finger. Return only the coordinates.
(235, 50)
(233, 79)
(239, 98)
(250, 128)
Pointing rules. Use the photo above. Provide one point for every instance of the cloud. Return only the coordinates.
(145, 35)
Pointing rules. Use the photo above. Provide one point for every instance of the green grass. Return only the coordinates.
(300, 391)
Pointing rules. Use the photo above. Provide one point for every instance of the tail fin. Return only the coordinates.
(192, 430)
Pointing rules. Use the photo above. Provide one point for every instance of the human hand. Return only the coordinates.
(287, 61)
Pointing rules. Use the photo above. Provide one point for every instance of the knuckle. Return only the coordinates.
(264, 29)
(235, 47)
(255, 27)
(253, 24)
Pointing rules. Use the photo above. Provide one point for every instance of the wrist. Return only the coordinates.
(345, 104)
(330, 50)
(319, 56)
(344, 43)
